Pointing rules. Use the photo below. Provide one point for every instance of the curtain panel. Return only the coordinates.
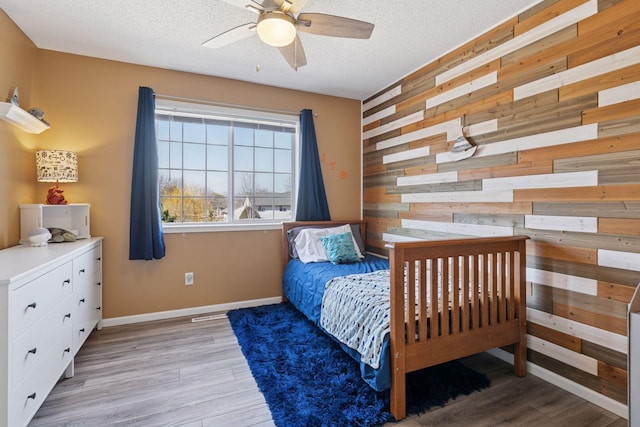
(312, 200)
(146, 240)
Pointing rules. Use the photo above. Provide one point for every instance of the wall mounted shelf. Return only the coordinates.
(18, 117)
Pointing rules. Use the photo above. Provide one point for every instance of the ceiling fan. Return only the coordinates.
(278, 25)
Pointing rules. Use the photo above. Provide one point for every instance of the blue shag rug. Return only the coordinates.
(307, 379)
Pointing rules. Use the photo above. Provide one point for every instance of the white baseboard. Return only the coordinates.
(192, 311)
(585, 393)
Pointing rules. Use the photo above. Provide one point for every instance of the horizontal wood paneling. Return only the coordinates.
(619, 94)
(597, 272)
(611, 62)
(615, 291)
(602, 320)
(475, 208)
(581, 331)
(562, 252)
(593, 194)
(554, 336)
(612, 112)
(603, 210)
(619, 226)
(554, 10)
(612, 144)
(552, 100)
(563, 281)
(539, 31)
(605, 354)
(581, 377)
(526, 168)
(617, 31)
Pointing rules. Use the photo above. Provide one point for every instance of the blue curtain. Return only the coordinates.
(312, 199)
(146, 240)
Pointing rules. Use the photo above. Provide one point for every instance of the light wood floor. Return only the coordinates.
(180, 373)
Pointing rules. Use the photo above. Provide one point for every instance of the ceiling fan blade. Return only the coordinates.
(270, 4)
(294, 54)
(233, 35)
(242, 4)
(335, 26)
(292, 6)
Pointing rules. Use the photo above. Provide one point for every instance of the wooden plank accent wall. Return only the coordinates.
(552, 100)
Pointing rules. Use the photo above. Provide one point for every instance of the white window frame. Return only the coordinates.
(181, 108)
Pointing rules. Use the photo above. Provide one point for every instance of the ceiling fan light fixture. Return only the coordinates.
(276, 29)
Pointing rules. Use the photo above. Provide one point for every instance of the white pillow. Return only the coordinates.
(310, 247)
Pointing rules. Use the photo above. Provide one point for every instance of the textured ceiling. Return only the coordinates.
(169, 34)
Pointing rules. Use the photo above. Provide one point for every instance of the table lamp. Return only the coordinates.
(56, 166)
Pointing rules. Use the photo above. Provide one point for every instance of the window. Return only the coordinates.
(224, 166)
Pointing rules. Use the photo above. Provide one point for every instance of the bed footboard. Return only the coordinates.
(454, 298)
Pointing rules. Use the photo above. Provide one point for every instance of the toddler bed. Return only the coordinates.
(479, 281)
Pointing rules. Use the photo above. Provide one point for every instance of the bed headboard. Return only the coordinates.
(286, 226)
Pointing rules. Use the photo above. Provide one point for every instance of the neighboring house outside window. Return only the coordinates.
(220, 166)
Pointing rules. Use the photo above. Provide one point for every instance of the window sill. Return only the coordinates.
(217, 228)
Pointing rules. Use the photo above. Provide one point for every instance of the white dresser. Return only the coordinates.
(50, 301)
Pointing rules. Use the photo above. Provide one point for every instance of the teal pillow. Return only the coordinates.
(340, 248)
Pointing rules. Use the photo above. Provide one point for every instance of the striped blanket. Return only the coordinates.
(356, 311)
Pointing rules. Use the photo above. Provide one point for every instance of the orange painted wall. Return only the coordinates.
(91, 105)
(17, 158)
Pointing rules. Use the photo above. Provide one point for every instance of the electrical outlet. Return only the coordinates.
(188, 278)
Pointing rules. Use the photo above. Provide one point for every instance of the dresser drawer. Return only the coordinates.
(34, 300)
(29, 395)
(87, 297)
(32, 347)
(87, 308)
(81, 331)
(87, 264)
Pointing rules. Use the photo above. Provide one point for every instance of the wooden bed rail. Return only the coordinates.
(454, 298)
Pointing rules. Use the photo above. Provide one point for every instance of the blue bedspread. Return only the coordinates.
(303, 285)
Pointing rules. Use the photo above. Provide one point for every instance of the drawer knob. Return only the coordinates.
(82, 330)
(67, 316)
(98, 308)
(67, 350)
(82, 300)
(66, 281)
(33, 350)
(99, 259)
(81, 271)
(32, 396)
(32, 305)
(99, 283)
